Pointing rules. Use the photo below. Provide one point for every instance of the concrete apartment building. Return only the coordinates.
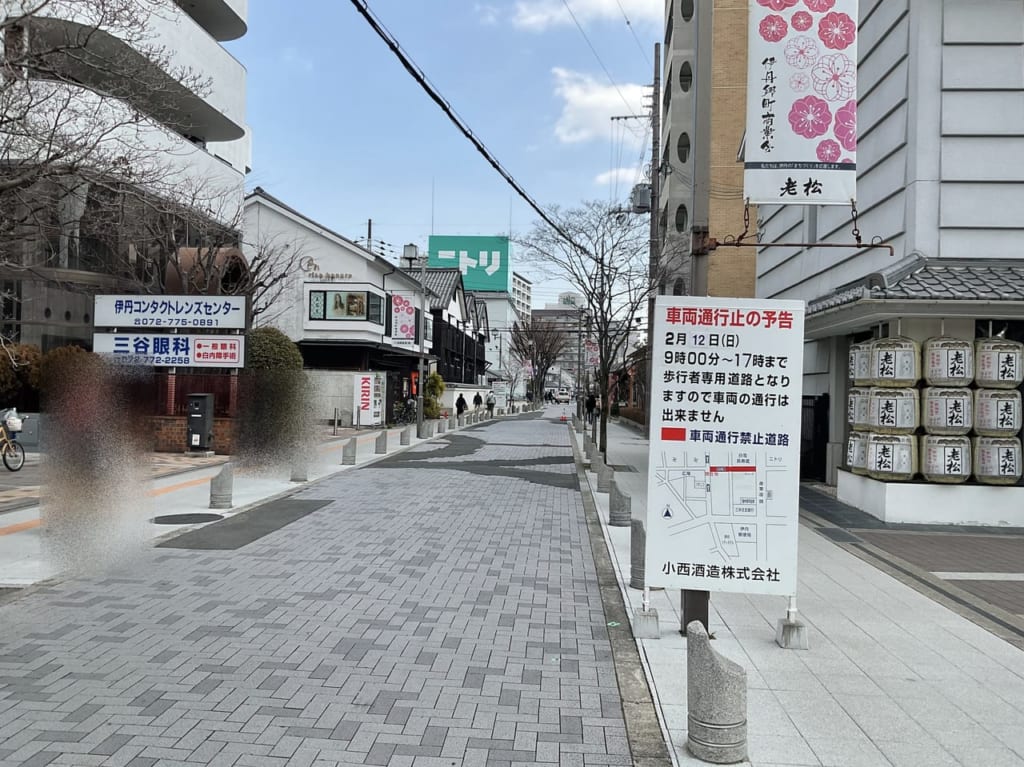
(522, 295)
(702, 107)
(940, 178)
(145, 116)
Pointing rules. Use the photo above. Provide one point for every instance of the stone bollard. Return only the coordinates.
(637, 542)
(716, 701)
(406, 438)
(442, 426)
(422, 430)
(380, 447)
(462, 420)
(588, 446)
(453, 421)
(593, 429)
(619, 503)
(300, 471)
(580, 426)
(221, 487)
(348, 453)
(605, 475)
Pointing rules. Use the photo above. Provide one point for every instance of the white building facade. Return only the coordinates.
(940, 179)
(522, 295)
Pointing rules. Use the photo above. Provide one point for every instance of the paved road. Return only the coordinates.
(438, 608)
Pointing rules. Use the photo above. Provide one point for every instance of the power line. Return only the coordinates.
(421, 78)
(596, 56)
(633, 31)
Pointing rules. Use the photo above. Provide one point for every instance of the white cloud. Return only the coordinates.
(539, 15)
(589, 105)
(618, 177)
(488, 14)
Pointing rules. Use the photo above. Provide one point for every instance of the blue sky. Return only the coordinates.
(343, 133)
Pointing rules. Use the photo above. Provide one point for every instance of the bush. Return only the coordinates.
(432, 396)
(19, 376)
(270, 349)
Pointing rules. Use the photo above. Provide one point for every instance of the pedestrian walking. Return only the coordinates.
(478, 401)
(591, 407)
(490, 404)
(460, 405)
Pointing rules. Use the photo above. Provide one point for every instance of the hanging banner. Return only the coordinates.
(801, 141)
(724, 467)
(403, 321)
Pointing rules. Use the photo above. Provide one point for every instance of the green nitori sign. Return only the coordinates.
(483, 261)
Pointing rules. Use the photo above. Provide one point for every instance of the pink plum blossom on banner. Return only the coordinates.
(820, 6)
(837, 31)
(846, 161)
(835, 77)
(802, 21)
(777, 5)
(773, 28)
(810, 117)
(800, 82)
(801, 52)
(828, 151)
(846, 125)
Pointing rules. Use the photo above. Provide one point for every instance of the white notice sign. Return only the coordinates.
(723, 482)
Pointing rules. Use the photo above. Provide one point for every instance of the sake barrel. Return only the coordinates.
(860, 364)
(948, 361)
(892, 457)
(997, 460)
(857, 407)
(893, 411)
(857, 452)
(895, 362)
(947, 411)
(998, 363)
(997, 412)
(945, 460)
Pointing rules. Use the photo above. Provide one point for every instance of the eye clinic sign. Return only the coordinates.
(166, 350)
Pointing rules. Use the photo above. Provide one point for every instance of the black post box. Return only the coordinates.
(200, 422)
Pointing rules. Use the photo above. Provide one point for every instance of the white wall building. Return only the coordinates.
(940, 178)
(522, 295)
(144, 96)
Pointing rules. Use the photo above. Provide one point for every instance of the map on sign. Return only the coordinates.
(728, 510)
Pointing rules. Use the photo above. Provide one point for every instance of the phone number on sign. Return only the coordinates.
(176, 322)
(144, 359)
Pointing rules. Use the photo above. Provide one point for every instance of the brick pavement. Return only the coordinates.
(442, 609)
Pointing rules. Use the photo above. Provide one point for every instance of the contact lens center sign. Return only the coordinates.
(801, 140)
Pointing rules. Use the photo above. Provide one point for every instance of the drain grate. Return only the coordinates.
(186, 519)
(838, 535)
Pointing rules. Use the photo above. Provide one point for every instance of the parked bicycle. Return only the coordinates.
(11, 450)
(405, 414)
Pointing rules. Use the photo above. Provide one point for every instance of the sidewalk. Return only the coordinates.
(893, 677)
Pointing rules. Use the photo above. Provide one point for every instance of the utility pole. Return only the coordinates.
(654, 255)
(411, 254)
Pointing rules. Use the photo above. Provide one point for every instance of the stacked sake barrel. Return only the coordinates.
(969, 407)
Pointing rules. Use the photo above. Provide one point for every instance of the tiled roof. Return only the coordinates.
(919, 279)
(441, 284)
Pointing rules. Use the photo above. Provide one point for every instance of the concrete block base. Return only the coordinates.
(645, 624)
(792, 635)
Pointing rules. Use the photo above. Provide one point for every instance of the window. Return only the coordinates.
(683, 147)
(685, 77)
(346, 305)
(686, 9)
(682, 218)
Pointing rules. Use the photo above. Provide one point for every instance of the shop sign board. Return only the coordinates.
(222, 312)
(723, 481)
(167, 350)
(367, 399)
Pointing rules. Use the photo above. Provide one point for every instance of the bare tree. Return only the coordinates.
(536, 344)
(607, 262)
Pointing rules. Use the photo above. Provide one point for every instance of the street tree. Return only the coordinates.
(606, 261)
(536, 345)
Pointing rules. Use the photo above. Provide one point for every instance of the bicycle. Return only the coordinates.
(10, 449)
(405, 414)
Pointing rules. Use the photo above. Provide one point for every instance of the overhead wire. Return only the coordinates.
(598, 57)
(420, 77)
(629, 24)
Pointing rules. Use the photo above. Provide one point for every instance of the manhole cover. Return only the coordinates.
(187, 519)
(838, 535)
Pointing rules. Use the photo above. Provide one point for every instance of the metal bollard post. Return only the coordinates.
(221, 487)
